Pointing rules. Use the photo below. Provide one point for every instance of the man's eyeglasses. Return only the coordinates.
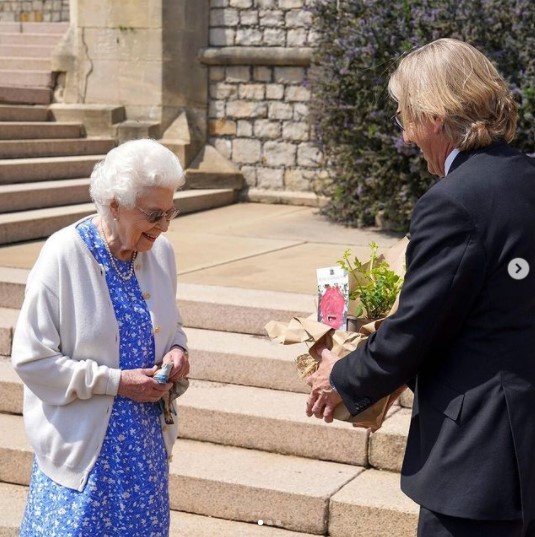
(156, 216)
(396, 121)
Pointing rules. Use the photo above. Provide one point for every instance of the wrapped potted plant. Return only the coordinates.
(373, 287)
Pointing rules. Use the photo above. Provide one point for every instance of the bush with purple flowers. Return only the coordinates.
(375, 177)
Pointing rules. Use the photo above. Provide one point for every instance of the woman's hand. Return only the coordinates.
(138, 385)
(180, 361)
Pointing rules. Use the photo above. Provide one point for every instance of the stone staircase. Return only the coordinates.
(46, 157)
(25, 66)
(248, 461)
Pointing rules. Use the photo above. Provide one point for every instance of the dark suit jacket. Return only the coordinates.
(465, 332)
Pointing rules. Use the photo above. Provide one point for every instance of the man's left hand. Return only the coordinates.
(323, 399)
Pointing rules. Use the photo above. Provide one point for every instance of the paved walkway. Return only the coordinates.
(249, 245)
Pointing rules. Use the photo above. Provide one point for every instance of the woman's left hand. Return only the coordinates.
(180, 362)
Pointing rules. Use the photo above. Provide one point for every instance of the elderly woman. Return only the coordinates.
(464, 333)
(99, 314)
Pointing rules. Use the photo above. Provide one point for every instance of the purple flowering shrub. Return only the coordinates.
(359, 41)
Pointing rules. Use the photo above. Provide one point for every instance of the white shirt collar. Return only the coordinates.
(449, 160)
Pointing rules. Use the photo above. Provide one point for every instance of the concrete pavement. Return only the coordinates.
(249, 246)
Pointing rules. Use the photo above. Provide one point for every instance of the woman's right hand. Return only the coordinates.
(138, 385)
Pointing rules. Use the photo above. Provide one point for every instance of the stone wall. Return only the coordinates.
(258, 118)
(34, 10)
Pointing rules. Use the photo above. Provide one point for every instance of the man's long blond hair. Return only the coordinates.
(452, 80)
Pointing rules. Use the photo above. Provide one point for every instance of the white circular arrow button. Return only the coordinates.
(518, 268)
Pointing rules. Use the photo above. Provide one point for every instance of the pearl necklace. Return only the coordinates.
(130, 273)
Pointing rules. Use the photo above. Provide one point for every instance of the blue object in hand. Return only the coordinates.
(162, 375)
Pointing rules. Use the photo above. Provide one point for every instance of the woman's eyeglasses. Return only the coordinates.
(156, 216)
(396, 121)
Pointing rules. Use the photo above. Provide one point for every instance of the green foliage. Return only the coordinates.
(375, 284)
(373, 172)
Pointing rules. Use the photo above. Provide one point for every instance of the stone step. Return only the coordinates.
(243, 359)
(11, 389)
(23, 113)
(248, 485)
(13, 499)
(372, 505)
(25, 196)
(20, 77)
(47, 168)
(8, 321)
(221, 481)
(25, 95)
(244, 311)
(265, 420)
(34, 27)
(26, 38)
(37, 130)
(10, 50)
(40, 223)
(25, 64)
(54, 148)
(387, 445)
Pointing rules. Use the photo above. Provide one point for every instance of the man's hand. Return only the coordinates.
(323, 399)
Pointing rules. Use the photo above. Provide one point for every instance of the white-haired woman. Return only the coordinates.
(99, 314)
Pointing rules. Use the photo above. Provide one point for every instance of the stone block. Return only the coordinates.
(262, 74)
(291, 4)
(297, 38)
(216, 74)
(274, 92)
(270, 178)
(221, 127)
(274, 37)
(289, 75)
(117, 13)
(264, 128)
(298, 18)
(248, 37)
(246, 151)
(254, 92)
(309, 155)
(279, 154)
(272, 17)
(238, 73)
(297, 93)
(298, 131)
(245, 128)
(301, 111)
(278, 110)
(295, 180)
(241, 4)
(266, 4)
(246, 109)
(249, 18)
(224, 91)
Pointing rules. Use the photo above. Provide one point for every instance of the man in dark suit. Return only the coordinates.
(464, 333)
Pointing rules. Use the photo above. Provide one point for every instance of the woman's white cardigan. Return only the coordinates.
(66, 350)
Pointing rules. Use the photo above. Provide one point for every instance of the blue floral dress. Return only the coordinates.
(126, 494)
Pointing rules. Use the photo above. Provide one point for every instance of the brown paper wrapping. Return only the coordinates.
(308, 330)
